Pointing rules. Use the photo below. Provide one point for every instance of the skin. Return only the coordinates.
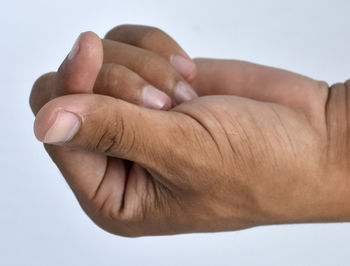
(258, 146)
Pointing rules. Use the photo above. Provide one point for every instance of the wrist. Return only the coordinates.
(337, 155)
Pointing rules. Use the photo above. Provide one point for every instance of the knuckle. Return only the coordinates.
(42, 81)
(124, 224)
(152, 35)
(118, 30)
(127, 225)
(111, 137)
(114, 139)
(121, 226)
(113, 31)
(40, 91)
(110, 77)
(120, 82)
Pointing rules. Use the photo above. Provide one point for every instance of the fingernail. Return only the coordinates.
(63, 129)
(184, 66)
(155, 99)
(184, 92)
(75, 49)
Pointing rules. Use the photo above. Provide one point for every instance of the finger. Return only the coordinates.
(258, 82)
(122, 83)
(113, 80)
(77, 73)
(83, 170)
(109, 126)
(79, 70)
(151, 67)
(41, 91)
(157, 41)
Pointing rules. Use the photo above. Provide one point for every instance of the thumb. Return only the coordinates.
(107, 125)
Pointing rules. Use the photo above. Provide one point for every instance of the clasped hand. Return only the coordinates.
(152, 142)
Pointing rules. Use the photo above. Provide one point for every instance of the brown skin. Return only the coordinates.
(273, 149)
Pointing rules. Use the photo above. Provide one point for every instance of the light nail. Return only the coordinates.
(184, 92)
(184, 66)
(154, 98)
(64, 128)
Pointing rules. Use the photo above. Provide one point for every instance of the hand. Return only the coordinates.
(216, 163)
(87, 69)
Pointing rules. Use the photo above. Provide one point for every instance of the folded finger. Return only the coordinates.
(157, 41)
(151, 67)
(41, 91)
(113, 80)
(122, 83)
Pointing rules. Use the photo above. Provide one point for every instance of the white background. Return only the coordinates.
(40, 220)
